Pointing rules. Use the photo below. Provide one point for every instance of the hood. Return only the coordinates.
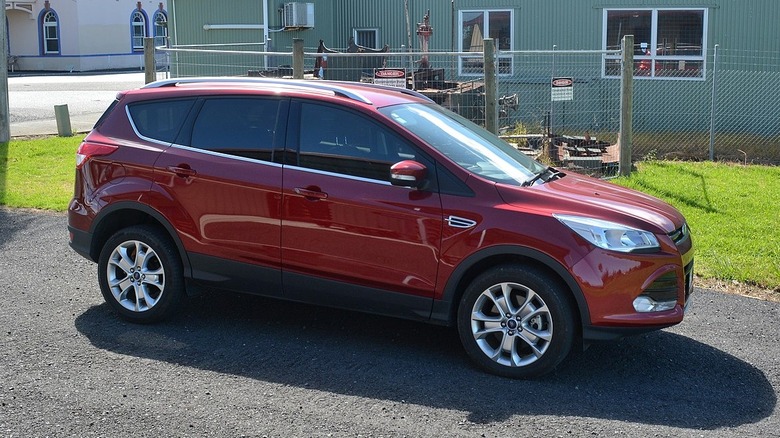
(585, 196)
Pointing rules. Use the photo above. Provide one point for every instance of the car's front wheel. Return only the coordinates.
(140, 274)
(515, 321)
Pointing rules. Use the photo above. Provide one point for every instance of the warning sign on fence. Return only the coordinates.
(562, 89)
(392, 77)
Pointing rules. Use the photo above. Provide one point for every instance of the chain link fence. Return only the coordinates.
(728, 112)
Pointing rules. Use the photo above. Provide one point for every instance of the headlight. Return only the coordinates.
(610, 235)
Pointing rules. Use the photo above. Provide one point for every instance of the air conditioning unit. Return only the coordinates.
(298, 15)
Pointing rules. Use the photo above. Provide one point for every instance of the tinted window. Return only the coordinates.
(340, 141)
(160, 120)
(237, 126)
(108, 111)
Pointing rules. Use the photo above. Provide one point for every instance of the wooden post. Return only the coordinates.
(297, 62)
(62, 115)
(491, 89)
(150, 74)
(5, 119)
(626, 135)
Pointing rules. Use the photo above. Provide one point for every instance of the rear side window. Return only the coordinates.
(237, 126)
(160, 120)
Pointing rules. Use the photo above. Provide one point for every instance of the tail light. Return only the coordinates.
(88, 150)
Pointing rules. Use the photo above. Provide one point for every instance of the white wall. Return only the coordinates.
(94, 35)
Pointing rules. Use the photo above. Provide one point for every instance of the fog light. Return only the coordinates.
(644, 304)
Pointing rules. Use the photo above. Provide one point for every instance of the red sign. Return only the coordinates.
(388, 73)
(562, 82)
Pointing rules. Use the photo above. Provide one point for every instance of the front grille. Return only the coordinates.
(680, 234)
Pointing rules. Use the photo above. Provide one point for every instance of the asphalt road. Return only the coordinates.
(235, 365)
(31, 99)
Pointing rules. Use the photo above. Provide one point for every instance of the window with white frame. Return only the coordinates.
(160, 20)
(138, 29)
(366, 37)
(51, 33)
(475, 26)
(668, 43)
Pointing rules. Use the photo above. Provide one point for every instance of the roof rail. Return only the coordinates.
(314, 85)
(406, 91)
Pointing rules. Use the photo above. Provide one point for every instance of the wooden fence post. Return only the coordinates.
(491, 88)
(150, 74)
(297, 62)
(626, 135)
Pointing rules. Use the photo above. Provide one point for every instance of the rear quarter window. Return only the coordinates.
(160, 120)
(108, 111)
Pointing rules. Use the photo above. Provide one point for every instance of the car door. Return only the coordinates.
(349, 237)
(225, 186)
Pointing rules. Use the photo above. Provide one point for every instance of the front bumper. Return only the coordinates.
(612, 283)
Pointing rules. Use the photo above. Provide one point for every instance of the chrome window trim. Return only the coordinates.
(224, 155)
(338, 175)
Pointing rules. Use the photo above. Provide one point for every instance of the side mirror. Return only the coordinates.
(408, 173)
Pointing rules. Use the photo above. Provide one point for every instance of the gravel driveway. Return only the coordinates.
(235, 365)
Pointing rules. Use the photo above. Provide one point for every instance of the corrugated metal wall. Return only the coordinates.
(733, 24)
(743, 29)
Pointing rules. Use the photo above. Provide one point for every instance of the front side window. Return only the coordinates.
(340, 141)
(668, 43)
(50, 33)
(138, 30)
(465, 143)
(475, 26)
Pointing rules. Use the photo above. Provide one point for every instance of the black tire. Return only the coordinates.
(151, 293)
(529, 338)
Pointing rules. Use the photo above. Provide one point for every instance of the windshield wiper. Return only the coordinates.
(550, 174)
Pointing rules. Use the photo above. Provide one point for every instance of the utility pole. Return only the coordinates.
(5, 127)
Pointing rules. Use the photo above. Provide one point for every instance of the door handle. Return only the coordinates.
(310, 194)
(183, 172)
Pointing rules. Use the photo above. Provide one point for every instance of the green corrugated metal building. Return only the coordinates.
(674, 50)
(535, 24)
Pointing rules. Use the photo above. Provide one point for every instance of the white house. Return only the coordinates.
(81, 35)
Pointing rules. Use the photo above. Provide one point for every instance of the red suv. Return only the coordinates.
(371, 199)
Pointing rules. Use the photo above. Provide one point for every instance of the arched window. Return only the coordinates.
(160, 28)
(138, 29)
(50, 32)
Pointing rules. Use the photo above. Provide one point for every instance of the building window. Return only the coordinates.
(668, 43)
(160, 28)
(475, 26)
(138, 29)
(50, 32)
(366, 37)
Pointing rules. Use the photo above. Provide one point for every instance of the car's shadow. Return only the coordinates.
(11, 223)
(658, 378)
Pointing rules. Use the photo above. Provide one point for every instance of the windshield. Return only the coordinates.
(465, 143)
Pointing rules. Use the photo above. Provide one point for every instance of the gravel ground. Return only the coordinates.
(234, 365)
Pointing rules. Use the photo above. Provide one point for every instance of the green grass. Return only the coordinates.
(734, 211)
(38, 173)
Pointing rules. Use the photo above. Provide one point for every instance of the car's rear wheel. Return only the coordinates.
(140, 274)
(515, 321)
